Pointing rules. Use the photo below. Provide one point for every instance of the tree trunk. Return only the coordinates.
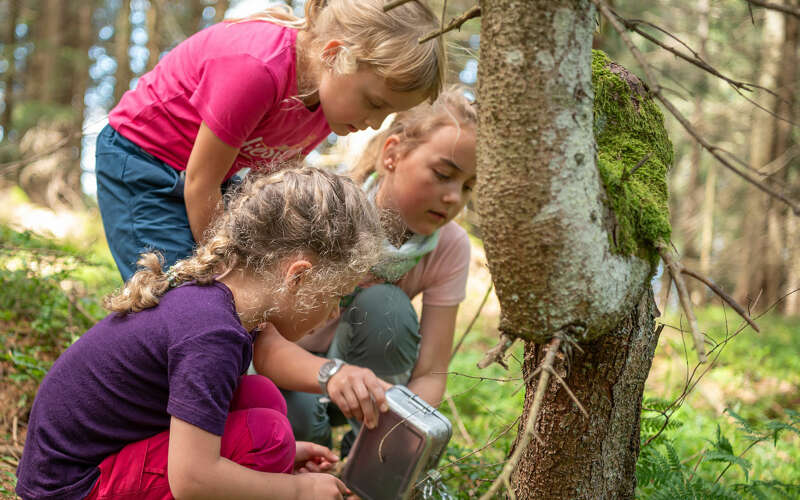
(591, 457)
(154, 43)
(755, 257)
(539, 193)
(220, 9)
(122, 38)
(706, 216)
(9, 42)
(565, 258)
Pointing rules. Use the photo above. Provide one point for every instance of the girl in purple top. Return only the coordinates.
(152, 402)
(251, 93)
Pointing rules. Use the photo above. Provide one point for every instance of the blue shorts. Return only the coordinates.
(141, 203)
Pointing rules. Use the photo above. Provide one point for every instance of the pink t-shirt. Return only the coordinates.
(441, 277)
(238, 78)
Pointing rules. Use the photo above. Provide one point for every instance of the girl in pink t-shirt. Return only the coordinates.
(251, 93)
(421, 171)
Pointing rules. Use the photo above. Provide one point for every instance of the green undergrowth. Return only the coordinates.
(629, 129)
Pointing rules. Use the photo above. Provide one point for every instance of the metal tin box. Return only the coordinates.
(386, 462)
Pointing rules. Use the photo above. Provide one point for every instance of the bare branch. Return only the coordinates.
(454, 23)
(786, 9)
(472, 323)
(656, 91)
(724, 296)
(497, 353)
(683, 295)
(529, 432)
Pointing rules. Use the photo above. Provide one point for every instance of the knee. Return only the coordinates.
(384, 328)
(257, 391)
(273, 443)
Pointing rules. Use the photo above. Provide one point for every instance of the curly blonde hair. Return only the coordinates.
(416, 126)
(387, 42)
(295, 212)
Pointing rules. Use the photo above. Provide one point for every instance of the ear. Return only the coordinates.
(330, 51)
(389, 152)
(295, 274)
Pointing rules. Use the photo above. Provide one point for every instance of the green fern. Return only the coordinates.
(662, 474)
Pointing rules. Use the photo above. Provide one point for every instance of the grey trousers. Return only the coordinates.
(380, 331)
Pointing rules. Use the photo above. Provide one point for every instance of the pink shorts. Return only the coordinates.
(257, 435)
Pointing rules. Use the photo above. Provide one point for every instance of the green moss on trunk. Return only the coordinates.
(628, 126)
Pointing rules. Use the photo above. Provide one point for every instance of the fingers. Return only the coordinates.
(365, 403)
(359, 393)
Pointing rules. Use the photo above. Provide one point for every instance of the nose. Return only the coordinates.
(453, 195)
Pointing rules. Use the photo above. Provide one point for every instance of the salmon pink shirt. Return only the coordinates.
(238, 78)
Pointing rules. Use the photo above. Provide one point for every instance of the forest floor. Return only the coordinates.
(757, 375)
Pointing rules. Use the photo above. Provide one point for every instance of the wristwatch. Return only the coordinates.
(326, 371)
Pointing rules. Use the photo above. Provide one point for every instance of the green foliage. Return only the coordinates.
(43, 301)
(629, 128)
(662, 473)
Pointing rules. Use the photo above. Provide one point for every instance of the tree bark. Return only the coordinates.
(591, 457)
(545, 224)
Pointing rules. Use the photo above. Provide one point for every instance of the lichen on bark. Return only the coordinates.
(628, 126)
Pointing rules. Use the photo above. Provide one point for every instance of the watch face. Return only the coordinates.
(325, 370)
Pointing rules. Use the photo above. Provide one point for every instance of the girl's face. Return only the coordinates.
(294, 321)
(359, 100)
(430, 184)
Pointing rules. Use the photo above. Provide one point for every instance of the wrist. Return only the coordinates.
(326, 371)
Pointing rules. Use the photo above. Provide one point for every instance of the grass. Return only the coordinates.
(51, 292)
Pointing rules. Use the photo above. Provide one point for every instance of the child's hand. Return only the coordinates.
(320, 486)
(312, 457)
(359, 394)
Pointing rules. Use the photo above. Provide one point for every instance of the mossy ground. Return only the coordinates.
(628, 127)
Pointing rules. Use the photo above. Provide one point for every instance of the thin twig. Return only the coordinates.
(627, 174)
(656, 92)
(786, 9)
(683, 295)
(724, 296)
(529, 432)
(569, 392)
(472, 323)
(466, 375)
(459, 423)
(497, 353)
(488, 444)
(453, 24)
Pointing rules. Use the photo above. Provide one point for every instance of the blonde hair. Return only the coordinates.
(387, 42)
(414, 127)
(308, 212)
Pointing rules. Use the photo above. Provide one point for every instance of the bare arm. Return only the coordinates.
(429, 378)
(196, 470)
(355, 390)
(209, 161)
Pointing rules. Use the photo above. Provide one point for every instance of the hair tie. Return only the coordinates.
(172, 277)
